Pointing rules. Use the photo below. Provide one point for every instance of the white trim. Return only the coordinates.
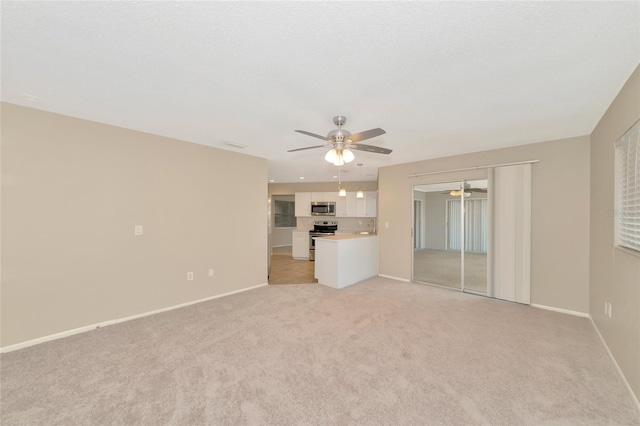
(79, 330)
(634, 398)
(560, 310)
(474, 168)
(394, 278)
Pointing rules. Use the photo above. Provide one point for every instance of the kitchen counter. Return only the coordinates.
(348, 236)
(342, 260)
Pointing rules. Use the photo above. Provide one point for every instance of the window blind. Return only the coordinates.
(627, 208)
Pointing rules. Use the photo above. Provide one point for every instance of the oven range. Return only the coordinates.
(321, 228)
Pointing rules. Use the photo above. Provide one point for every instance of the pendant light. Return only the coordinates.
(359, 193)
(341, 191)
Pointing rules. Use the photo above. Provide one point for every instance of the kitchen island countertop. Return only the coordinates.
(342, 260)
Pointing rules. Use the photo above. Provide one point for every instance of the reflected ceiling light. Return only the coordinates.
(457, 192)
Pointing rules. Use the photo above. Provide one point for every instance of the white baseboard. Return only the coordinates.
(79, 330)
(615, 363)
(394, 278)
(562, 311)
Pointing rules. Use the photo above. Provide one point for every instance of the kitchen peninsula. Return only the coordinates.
(342, 260)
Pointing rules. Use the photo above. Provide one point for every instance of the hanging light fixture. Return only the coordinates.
(341, 191)
(359, 194)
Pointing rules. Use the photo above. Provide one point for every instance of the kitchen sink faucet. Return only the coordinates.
(372, 220)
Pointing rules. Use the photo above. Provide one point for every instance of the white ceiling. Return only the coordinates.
(441, 78)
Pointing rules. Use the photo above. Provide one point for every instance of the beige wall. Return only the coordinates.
(72, 192)
(560, 215)
(614, 274)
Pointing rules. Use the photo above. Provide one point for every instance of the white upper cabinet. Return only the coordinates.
(331, 196)
(324, 196)
(346, 206)
(303, 204)
(367, 206)
(371, 197)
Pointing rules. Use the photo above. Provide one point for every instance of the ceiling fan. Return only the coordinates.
(467, 191)
(342, 142)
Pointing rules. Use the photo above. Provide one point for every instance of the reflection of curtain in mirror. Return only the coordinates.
(511, 229)
(475, 225)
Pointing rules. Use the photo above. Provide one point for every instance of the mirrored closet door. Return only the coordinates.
(451, 235)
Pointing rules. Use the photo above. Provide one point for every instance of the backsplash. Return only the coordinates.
(355, 224)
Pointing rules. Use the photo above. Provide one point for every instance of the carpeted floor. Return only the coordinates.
(442, 267)
(378, 352)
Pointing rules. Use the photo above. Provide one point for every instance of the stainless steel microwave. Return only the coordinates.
(323, 208)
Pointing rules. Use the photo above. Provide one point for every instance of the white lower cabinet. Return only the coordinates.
(300, 245)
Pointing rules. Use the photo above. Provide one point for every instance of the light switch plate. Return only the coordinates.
(138, 230)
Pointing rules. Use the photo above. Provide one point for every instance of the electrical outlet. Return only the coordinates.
(137, 230)
(189, 276)
(210, 272)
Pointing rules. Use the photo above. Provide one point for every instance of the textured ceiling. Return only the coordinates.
(441, 78)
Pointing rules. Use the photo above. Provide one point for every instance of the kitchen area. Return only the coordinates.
(325, 224)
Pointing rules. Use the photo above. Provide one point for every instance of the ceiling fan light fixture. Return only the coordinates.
(457, 192)
(331, 156)
(347, 155)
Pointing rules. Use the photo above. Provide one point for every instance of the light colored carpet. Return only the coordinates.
(378, 352)
(442, 267)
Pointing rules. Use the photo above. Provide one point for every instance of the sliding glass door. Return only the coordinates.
(451, 235)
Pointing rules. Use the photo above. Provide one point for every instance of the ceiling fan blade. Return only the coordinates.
(309, 147)
(367, 134)
(369, 148)
(324, 138)
(476, 190)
